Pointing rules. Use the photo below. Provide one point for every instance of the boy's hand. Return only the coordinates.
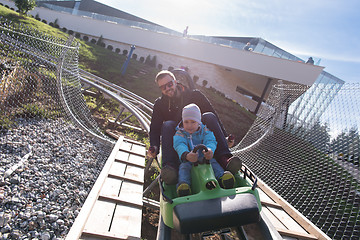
(152, 152)
(209, 154)
(230, 140)
(192, 157)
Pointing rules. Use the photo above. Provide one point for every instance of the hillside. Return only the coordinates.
(139, 77)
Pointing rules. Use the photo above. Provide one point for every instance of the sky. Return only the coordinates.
(327, 30)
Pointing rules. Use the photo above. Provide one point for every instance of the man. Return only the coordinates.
(167, 114)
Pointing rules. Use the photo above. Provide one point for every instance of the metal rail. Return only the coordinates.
(131, 107)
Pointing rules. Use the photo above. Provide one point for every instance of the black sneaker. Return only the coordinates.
(233, 164)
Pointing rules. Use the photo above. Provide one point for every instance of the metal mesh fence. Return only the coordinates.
(305, 144)
(51, 149)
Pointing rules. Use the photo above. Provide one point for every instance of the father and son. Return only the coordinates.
(183, 118)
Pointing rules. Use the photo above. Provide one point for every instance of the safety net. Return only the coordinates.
(305, 145)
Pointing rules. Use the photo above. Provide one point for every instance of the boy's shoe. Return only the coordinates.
(227, 180)
(233, 164)
(183, 190)
(169, 175)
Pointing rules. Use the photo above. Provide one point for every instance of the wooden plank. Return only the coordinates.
(122, 155)
(288, 238)
(273, 219)
(271, 204)
(122, 177)
(295, 214)
(130, 163)
(140, 150)
(121, 201)
(295, 234)
(134, 142)
(100, 217)
(264, 196)
(133, 172)
(78, 225)
(126, 146)
(140, 153)
(130, 194)
(129, 219)
(118, 168)
(89, 235)
(133, 159)
(111, 187)
(132, 191)
(137, 160)
(288, 221)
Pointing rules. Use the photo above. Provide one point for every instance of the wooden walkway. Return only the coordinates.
(285, 219)
(113, 208)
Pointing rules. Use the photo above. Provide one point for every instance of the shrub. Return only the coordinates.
(100, 40)
(102, 45)
(109, 47)
(77, 35)
(134, 56)
(170, 68)
(205, 82)
(93, 41)
(44, 21)
(71, 32)
(64, 29)
(117, 50)
(125, 52)
(148, 60)
(160, 66)
(142, 59)
(51, 24)
(153, 62)
(195, 78)
(85, 38)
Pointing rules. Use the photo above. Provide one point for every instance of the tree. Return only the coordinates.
(319, 136)
(25, 5)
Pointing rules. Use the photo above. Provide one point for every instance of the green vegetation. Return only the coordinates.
(139, 77)
(25, 5)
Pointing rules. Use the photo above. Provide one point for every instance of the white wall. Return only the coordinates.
(208, 61)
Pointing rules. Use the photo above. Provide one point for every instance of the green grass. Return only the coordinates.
(107, 64)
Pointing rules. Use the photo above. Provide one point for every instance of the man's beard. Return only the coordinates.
(171, 93)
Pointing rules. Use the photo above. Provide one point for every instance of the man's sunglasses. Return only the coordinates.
(166, 85)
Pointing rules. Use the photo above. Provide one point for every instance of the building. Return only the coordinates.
(218, 62)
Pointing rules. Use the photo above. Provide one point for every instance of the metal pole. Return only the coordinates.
(123, 69)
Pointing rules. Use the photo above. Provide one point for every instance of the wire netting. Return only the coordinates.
(51, 148)
(305, 145)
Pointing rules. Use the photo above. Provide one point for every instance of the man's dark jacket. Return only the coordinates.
(166, 109)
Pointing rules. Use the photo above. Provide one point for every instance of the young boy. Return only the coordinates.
(189, 133)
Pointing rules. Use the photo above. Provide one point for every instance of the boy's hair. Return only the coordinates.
(191, 112)
(162, 74)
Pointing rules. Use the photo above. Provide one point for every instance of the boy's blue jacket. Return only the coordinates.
(185, 142)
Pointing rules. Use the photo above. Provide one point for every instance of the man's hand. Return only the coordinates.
(230, 140)
(192, 157)
(209, 154)
(152, 152)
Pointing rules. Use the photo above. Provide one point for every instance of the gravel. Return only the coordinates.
(47, 169)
